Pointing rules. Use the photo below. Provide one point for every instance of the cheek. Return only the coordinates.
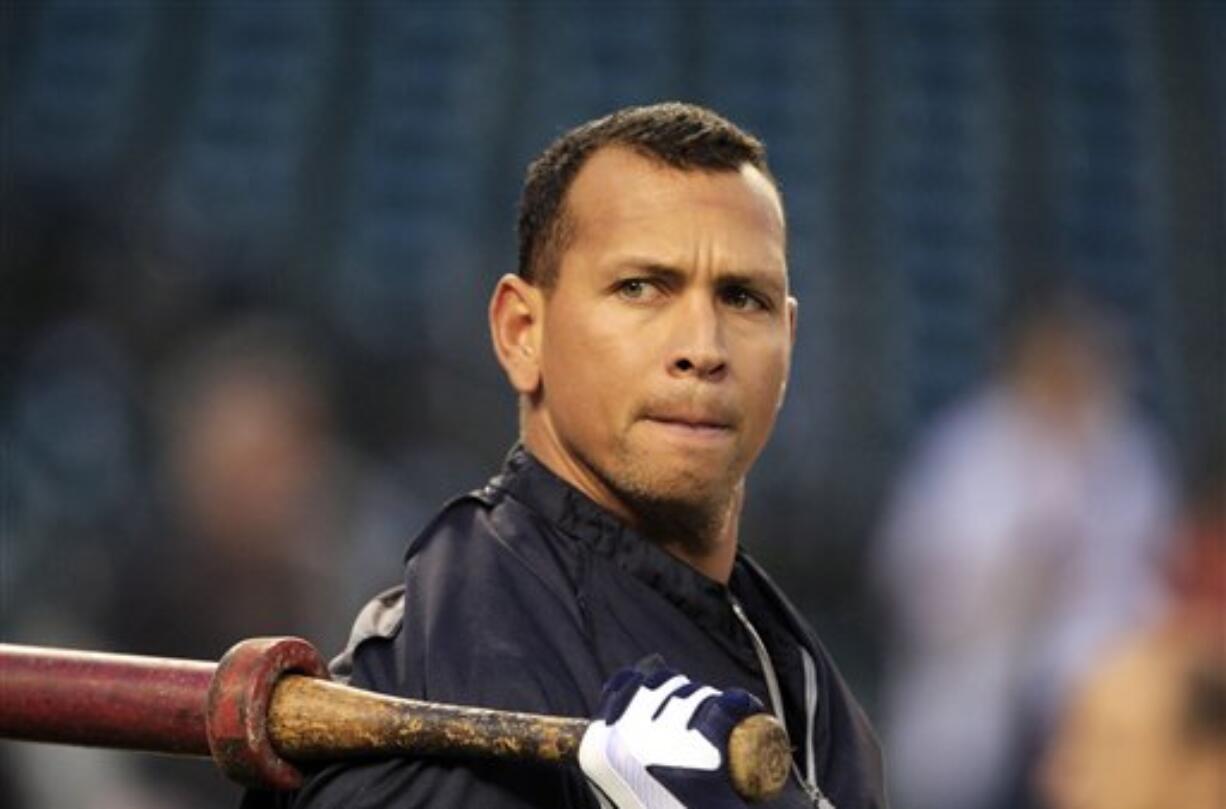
(588, 375)
(767, 386)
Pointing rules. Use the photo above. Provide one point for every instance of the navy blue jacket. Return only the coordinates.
(525, 595)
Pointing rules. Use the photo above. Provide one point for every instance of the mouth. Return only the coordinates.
(692, 426)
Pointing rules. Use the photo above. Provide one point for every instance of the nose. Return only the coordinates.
(698, 346)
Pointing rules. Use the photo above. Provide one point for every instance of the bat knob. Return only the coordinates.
(237, 712)
(759, 757)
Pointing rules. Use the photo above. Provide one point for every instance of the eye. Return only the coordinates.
(738, 297)
(636, 289)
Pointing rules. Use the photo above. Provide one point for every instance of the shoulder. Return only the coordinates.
(483, 617)
(486, 615)
(486, 546)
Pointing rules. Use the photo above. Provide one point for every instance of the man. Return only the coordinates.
(648, 334)
(1022, 541)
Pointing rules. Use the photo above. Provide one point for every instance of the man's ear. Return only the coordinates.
(793, 313)
(516, 312)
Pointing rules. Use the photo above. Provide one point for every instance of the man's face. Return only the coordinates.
(666, 340)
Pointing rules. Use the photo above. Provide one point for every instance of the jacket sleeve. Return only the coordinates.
(481, 626)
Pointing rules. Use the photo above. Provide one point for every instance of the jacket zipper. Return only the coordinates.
(776, 697)
(810, 781)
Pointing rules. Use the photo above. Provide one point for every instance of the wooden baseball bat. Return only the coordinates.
(268, 706)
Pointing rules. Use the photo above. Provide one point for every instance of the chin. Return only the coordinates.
(690, 485)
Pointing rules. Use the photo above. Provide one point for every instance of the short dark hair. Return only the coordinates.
(682, 136)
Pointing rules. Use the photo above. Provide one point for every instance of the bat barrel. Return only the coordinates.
(103, 700)
(158, 705)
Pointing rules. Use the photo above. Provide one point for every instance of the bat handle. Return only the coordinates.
(313, 719)
(271, 707)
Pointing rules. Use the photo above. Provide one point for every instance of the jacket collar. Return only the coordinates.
(706, 601)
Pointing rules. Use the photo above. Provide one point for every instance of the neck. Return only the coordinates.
(540, 439)
(714, 555)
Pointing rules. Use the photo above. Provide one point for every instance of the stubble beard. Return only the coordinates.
(673, 507)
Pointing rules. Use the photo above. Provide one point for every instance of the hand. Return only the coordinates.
(660, 742)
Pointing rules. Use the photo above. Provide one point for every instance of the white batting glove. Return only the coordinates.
(660, 742)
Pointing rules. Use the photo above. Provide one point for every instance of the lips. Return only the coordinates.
(691, 433)
(700, 419)
(693, 422)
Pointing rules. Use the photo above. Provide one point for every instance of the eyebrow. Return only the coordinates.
(674, 275)
(654, 269)
(754, 281)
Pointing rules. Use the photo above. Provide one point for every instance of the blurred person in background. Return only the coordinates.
(264, 510)
(236, 535)
(1148, 729)
(252, 487)
(1023, 536)
(175, 479)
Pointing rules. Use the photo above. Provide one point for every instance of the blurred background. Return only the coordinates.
(245, 253)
